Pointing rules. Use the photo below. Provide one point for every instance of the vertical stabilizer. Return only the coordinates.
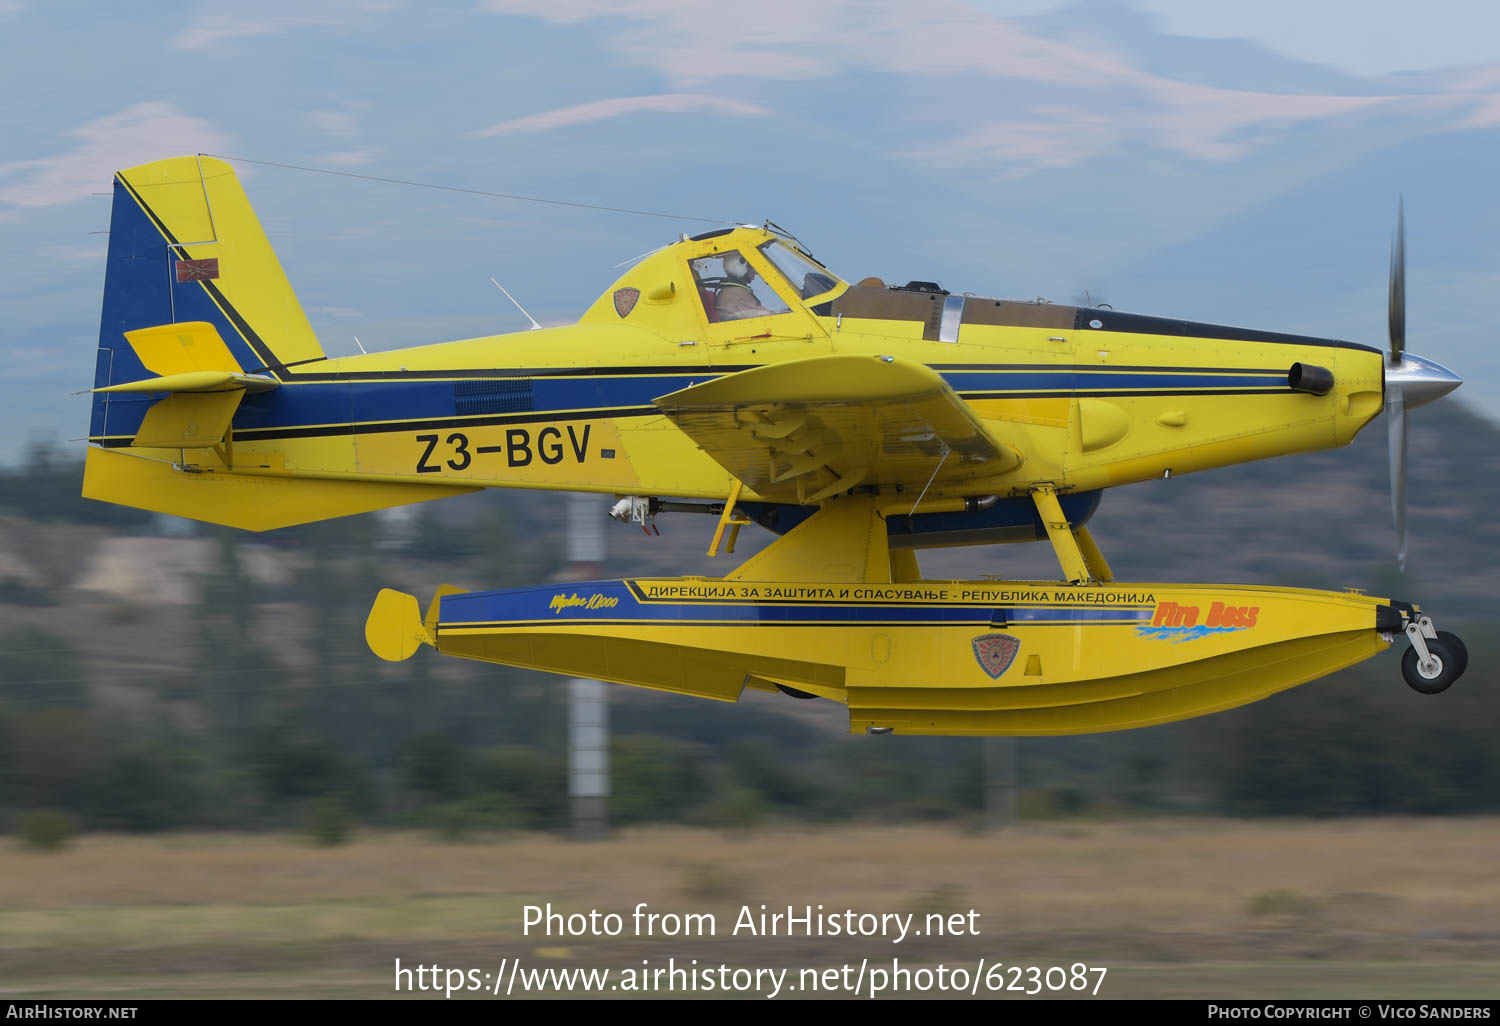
(185, 246)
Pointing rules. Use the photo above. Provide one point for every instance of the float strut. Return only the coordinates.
(1066, 543)
(1098, 568)
(728, 520)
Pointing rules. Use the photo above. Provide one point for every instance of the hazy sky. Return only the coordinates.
(1246, 178)
(1366, 37)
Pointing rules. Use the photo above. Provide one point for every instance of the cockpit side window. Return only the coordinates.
(731, 290)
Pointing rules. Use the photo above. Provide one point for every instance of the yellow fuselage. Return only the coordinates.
(570, 408)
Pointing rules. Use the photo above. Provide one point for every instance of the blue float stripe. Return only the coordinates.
(984, 620)
(607, 603)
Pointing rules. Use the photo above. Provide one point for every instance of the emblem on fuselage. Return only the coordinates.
(625, 300)
(996, 652)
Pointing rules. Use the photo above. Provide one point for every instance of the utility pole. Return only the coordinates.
(1000, 783)
(588, 702)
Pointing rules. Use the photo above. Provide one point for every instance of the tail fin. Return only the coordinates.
(185, 246)
(197, 315)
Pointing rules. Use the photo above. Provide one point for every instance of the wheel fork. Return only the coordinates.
(1418, 630)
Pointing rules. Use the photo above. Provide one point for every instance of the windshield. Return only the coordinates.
(806, 275)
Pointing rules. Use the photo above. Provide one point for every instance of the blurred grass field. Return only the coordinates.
(1174, 908)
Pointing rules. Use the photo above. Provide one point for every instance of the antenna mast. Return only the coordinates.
(534, 325)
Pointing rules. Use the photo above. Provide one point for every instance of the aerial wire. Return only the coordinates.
(471, 192)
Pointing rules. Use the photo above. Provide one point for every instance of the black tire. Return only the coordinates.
(1460, 651)
(1447, 670)
(794, 692)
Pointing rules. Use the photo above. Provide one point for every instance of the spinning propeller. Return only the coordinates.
(1410, 380)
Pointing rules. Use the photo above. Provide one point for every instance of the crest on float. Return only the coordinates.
(996, 652)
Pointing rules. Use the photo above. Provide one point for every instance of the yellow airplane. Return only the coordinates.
(733, 374)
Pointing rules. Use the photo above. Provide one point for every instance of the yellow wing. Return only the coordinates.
(807, 429)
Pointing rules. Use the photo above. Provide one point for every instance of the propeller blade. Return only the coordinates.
(1409, 381)
(1396, 426)
(1396, 298)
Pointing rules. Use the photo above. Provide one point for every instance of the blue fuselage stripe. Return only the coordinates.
(395, 404)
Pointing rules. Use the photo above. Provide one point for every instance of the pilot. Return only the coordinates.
(735, 300)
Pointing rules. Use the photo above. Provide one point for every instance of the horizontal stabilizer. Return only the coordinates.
(197, 381)
(205, 382)
(187, 357)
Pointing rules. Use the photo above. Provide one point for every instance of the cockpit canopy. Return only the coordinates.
(732, 289)
(733, 273)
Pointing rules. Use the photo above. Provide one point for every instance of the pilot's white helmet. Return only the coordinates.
(737, 267)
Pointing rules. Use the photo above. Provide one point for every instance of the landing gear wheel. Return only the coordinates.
(794, 692)
(1433, 679)
(1460, 652)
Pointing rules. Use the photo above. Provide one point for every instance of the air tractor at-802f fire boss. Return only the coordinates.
(733, 374)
